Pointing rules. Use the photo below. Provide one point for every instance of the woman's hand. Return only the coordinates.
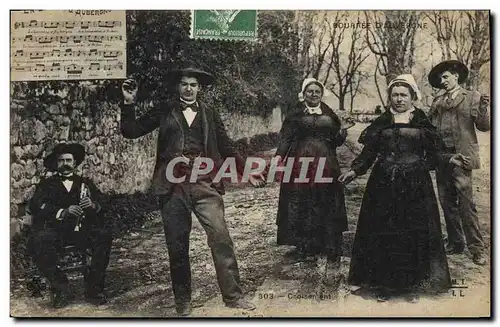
(460, 160)
(257, 180)
(277, 158)
(347, 177)
(343, 133)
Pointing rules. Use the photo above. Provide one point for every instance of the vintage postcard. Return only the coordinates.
(250, 163)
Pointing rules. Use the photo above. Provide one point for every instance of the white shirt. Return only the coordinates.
(188, 113)
(402, 117)
(68, 184)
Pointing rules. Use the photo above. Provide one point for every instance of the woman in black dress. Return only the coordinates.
(311, 213)
(398, 244)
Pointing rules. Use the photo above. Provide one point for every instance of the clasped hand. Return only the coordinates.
(77, 210)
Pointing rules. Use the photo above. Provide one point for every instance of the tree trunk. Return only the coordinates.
(379, 92)
(353, 95)
(472, 81)
(342, 101)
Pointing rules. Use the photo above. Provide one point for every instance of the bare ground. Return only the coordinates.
(138, 281)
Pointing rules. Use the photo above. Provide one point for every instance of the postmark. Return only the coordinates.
(238, 25)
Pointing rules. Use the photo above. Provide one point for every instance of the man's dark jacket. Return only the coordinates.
(168, 118)
(50, 196)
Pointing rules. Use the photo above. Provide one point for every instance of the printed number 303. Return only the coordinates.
(266, 296)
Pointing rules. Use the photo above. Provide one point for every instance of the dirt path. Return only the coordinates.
(139, 281)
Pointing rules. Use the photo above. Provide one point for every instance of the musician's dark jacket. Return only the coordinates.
(168, 117)
(51, 195)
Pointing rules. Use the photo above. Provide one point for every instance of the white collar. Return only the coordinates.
(186, 102)
(407, 112)
(402, 117)
(318, 107)
(70, 175)
(313, 110)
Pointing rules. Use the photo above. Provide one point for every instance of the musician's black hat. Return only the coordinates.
(77, 150)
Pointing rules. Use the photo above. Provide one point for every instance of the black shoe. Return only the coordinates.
(96, 298)
(383, 295)
(311, 258)
(479, 259)
(60, 299)
(296, 255)
(183, 309)
(412, 298)
(241, 304)
(455, 249)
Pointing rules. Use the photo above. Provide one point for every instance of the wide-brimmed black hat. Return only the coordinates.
(77, 150)
(203, 77)
(449, 65)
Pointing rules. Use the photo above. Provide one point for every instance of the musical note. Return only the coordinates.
(65, 39)
(118, 66)
(95, 66)
(115, 38)
(37, 55)
(44, 47)
(67, 53)
(96, 38)
(45, 39)
(55, 67)
(109, 24)
(27, 24)
(70, 68)
(74, 69)
(68, 24)
(50, 24)
(38, 68)
(111, 54)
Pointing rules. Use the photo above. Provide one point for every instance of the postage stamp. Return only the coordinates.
(339, 166)
(224, 24)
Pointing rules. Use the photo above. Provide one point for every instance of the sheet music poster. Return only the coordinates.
(68, 44)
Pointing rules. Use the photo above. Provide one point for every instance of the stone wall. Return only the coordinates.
(117, 165)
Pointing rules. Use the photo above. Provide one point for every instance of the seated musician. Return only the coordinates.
(66, 211)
